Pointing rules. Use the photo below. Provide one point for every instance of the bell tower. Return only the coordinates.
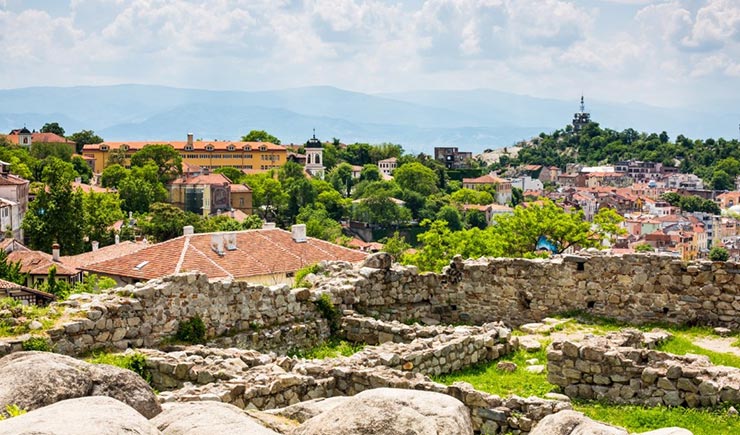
(315, 157)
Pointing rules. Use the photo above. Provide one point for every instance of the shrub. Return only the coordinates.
(718, 254)
(134, 361)
(37, 343)
(302, 273)
(12, 410)
(192, 331)
(328, 311)
(644, 247)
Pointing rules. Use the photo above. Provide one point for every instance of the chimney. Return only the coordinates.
(118, 239)
(268, 226)
(190, 139)
(55, 251)
(232, 214)
(299, 233)
(188, 230)
(95, 244)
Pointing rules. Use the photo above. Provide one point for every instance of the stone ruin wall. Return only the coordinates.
(618, 369)
(633, 288)
(637, 289)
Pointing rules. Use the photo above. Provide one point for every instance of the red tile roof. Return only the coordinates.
(258, 252)
(38, 263)
(40, 138)
(198, 145)
(203, 179)
(485, 179)
(103, 254)
(12, 180)
(240, 188)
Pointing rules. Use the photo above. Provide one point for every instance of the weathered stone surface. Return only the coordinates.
(392, 412)
(573, 423)
(206, 418)
(98, 415)
(379, 260)
(529, 344)
(32, 380)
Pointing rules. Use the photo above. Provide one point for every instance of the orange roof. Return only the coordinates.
(198, 145)
(257, 253)
(40, 138)
(38, 263)
(103, 254)
(240, 188)
(485, 179)
(203, 179)
(87, 188)
(12, 180)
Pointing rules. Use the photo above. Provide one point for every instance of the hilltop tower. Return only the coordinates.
(315, 157)
(580, 119)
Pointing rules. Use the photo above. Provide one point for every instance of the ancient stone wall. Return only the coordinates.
(618, 369)
(637, 288)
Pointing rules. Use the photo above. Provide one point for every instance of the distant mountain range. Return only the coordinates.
(472, 120)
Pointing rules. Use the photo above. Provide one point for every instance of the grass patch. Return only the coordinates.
(736, 343)
(302, 273)
(16, 318)
(486, 377)
(134, 361)
(641, 419)
(681, 345)
(331, 348)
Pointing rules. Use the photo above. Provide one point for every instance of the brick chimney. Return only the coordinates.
(190, 139)
(55, 251)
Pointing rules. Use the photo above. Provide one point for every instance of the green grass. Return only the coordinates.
(134, 361)
(681, 345)
(640, 419)
(736, 343)
(11, 309)
(331, 348)
(486, 377)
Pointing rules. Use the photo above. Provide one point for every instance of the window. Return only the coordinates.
(247, 148)
(231, 147)
(188, 147)
(209, 147)
(103, 147)
(241, 202)
(124, 147)
(263, 148)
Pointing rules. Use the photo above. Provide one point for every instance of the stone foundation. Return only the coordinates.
(618, 369)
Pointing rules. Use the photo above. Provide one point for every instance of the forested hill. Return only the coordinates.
(717, 161)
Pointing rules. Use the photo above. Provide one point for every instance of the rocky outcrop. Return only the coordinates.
(33, 380)
(575, 423)
(617, 369)
(392, 412)
(98, 415)
(206, 418)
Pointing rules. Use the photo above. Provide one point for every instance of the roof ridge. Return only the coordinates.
(229, 274)
(181, 260)
(282, 248)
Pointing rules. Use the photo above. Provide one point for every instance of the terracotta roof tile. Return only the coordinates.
(38, 263)
(485, 179)
(103, 254)
(203, 179)
(198, 145)
(258, 252)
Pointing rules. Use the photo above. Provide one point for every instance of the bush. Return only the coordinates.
(328, 312)
(719, 254)
(134, 361)
(37, 343)
(11, 411)
(192, 331)
(302, 273)
(644, 247)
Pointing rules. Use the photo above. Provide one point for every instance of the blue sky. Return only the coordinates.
(683, 53)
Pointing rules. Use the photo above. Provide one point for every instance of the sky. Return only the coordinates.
(679, 53)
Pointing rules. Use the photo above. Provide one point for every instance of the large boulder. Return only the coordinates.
(387, 411)
(303, 411)
(573, 423)
(33, 380)
(98, 415)
(206, 418)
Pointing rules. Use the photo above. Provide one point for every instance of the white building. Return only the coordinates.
(11, 218)
(387, 166)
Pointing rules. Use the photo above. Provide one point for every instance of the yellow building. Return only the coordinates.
(207, 154)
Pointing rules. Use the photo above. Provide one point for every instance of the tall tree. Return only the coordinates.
(167, 160)
(101, 211)
(52, 127)
(417, 177)
(57, 213)
(84, 137)
(260, 136)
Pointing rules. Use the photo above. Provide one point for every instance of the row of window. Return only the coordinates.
(192, 148)
(271, 157)
(217, 156)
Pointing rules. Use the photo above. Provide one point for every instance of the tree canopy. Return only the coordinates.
(260, 136)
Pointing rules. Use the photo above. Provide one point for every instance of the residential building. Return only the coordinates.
(266, 256)
(387, 166)
(26, 295)
(728, 199)
(26, 138)
(501, 187)
(241, 198)
(14, 193)
(525, 182)
(206, 154)
(602, 179)
(106, 253)
(36, 264)
(204, 194)
(683, 181)
(10, 219)
(644, 171)
(492, 211)
(452, 158)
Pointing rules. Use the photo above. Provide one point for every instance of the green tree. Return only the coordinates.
(117, 156)
(11, 271)
(252, 222)
(141, 188)
(42, 150)
(719, 253)
(517, 196)
(341, 178)
(52, 127)
(671, 198)
(370, 172)
(57, 213)
(644, 247)
(452, 216)
(82, 169)
(380, 210)
(319, 224)
(470, 196)
(417, 177)
(260, 136)
(395, 245)
(101, 211)
(234, 175)
(167, 160)
(334, 203)
(476, 219)
(84, 137)
(165, 221)
(721, 180)
(113, 175)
